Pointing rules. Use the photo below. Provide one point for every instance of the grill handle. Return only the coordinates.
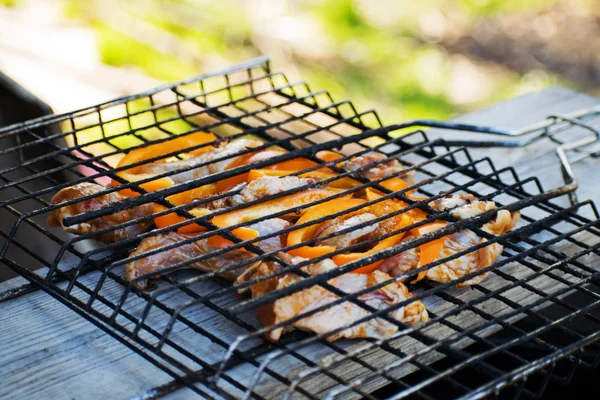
(548, 128)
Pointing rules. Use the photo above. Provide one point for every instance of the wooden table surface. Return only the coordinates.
(49, 352)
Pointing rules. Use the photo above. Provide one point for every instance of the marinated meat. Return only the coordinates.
(114, 220)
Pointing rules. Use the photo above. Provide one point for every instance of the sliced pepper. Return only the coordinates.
(311, 251)
(151, 186)
(146, 153)
(242, 233)
(416, 213)
(430, 251)
(255, 174)
(328, 155)
(272, 206)
(388, 205)
(316, 212)
(185, 198)
(170, 146)
(226, 184)
(341, 259)
(189, 196)
(373, 194)
(171, 219)
(295, 164)
(229, 183)
(394, 184)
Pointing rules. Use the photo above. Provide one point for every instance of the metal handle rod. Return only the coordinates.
(548, 128)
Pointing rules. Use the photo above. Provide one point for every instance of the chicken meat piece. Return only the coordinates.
(465, 206)
(155, 263)
(269, 186)
(259, 189)
(453, 201)
(351, 237)
(462, 206)
(335, 316)
(381, 169)
(114, 220)
(362, 225)
(226, 149)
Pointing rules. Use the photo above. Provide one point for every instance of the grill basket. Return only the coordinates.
(532, 321)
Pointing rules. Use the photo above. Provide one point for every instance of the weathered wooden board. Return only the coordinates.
(46, 351)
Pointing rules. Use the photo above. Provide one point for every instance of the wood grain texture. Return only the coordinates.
(47, 351)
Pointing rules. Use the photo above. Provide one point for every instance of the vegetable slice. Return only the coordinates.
(169, 146)
(295, 164)
(191, 195)
(394, 184)
(242, 233)
(171, 219)
(430, 251)
(182, 198)
(272, 206)
(226, 184)
(151, 186)
(341, 259)
(328, 155)
(154, 150)
(305, 233)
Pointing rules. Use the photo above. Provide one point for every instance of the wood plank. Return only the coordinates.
(47, 351)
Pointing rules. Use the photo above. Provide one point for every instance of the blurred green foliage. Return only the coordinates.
(9, 3)
(384, 55)
(119, 50)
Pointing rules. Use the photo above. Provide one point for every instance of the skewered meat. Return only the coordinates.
(462, 206)
(227, 149)
(334, 316)
(165, 259)
(385, 168)
(82, 189)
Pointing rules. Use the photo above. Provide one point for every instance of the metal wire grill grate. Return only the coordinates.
(538, 305)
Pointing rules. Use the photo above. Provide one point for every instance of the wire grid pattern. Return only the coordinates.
(199, 330)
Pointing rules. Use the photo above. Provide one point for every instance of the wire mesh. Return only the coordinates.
(538, 306)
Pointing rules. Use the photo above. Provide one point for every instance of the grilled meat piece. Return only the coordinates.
(260, 188)
(334, 316)
(348, 238)
(463, 206)
(268, 186)
(385, 168)
(226, 149)
(113, 220)
(155, 263)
